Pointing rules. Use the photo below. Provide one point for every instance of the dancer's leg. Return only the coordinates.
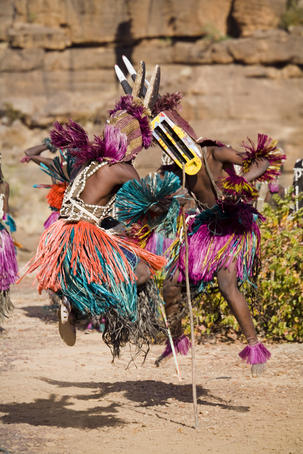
(255, 353)
(67, 329)
(172, 296)
(227, 281)
(142, 272)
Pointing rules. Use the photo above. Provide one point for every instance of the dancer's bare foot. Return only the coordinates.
(67, 329)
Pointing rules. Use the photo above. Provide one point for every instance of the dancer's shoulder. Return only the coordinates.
(118, 173)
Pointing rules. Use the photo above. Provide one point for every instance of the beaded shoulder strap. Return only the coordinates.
(218, 193)
(74, 208)
(215, 188)
(79, 182)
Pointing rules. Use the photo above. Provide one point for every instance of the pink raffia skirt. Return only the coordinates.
(8, 271)
(8, 260)
(220, 236)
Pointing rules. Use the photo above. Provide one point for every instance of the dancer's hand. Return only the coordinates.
(257, 168)
(25, 159)
(182, 196)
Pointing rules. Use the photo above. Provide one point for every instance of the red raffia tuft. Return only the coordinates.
(169, 101)
(236, 186)
(55, 195)
(266, 148)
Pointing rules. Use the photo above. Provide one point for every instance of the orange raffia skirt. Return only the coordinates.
(94, 269)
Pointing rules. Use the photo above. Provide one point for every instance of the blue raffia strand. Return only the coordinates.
(56, 169)
(136, 198)
(168, 225)
(10, 222)
(93, 298)
(51, 172)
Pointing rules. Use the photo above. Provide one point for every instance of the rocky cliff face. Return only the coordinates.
(239, 73)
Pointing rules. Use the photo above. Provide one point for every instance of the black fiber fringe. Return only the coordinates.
(119, 331)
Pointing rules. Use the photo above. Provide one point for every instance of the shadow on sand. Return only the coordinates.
(54, 412)
(46, 312)
(138, 396)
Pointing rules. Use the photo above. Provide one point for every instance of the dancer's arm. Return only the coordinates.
(6, 197)
(106, 182)
(33, 152)
(230, 156)
(48, 162)
(38, 160)
(260, 161)
(123, 172)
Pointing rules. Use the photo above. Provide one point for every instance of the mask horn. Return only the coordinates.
(133, 75)
(139, 82)
(131, 70)
(122, 79)
(153, 89)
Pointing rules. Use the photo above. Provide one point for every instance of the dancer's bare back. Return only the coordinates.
(99, 189)
(104, 183)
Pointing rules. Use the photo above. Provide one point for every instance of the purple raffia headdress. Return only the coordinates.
(123, 137)
(169, 101)
(266, 148)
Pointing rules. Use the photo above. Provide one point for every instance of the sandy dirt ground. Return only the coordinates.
(57, 399)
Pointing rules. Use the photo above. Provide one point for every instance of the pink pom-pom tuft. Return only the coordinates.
(182, 345)
(266, 148)
(255, 354)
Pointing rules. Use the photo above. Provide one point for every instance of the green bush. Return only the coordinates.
(211, 33)
(278, 302)
(293, 15)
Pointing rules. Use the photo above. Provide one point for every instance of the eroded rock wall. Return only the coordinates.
(239, 73)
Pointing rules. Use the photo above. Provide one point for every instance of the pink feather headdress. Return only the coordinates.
(111, 146)
(123, 137)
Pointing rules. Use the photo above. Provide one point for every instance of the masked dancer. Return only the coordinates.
(8, 260)
(96, 270)
(223, 233)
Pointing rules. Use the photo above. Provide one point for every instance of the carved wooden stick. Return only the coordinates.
(193, 352)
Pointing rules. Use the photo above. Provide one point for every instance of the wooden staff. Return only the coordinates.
(193, 355)
(170, 340)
